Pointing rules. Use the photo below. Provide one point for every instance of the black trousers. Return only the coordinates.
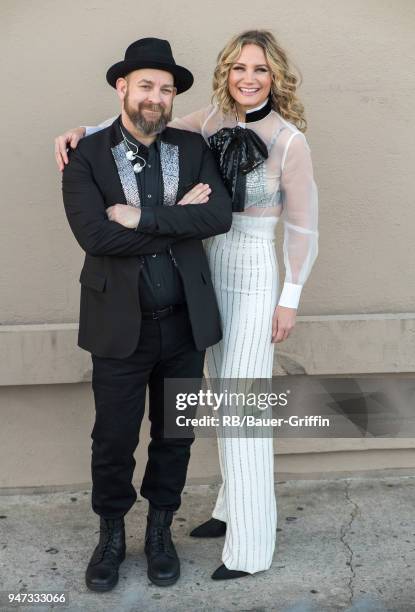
(165, 350)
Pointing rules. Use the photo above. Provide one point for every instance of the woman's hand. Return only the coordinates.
(63, 142)
(197, 195)
(283, 322)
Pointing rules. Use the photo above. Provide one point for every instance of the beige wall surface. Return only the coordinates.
(357, 309)
(357, 62)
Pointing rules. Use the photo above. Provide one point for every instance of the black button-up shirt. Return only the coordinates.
(160, 283)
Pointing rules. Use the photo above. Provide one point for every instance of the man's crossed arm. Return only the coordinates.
(101, 231)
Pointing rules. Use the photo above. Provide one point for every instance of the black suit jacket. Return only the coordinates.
(98, 176)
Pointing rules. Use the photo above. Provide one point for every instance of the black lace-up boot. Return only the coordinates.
(163, 562)
(102, 571)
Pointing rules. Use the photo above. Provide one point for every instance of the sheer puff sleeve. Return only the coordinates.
(300, 217)
(194, 122)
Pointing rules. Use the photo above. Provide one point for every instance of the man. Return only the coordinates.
(148, 309)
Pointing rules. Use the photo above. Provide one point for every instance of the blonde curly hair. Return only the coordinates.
(284, 80)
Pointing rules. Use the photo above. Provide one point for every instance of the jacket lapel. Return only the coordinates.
(126, 174)
(170, 169)
(169, 159)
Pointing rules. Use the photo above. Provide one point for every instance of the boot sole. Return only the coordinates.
(103, 589)
(166, 582)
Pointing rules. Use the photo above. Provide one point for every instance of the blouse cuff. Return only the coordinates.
(290, 295)
(91, 129)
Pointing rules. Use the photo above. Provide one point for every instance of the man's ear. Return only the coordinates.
(121, 86)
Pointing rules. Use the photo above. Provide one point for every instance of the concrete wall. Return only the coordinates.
(47, 407)
(357, 310)
(45, 442)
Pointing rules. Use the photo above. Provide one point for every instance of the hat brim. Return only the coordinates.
(183, 78)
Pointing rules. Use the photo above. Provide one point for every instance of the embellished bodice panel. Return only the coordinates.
(263, 195)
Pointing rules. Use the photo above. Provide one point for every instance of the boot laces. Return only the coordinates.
(159, 538)
(105, 547)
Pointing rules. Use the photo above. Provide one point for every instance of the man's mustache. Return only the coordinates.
(152, 107)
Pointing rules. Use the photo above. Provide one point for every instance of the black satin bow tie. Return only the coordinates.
(237, 151)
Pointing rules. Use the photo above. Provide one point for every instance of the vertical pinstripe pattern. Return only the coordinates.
(244, 270)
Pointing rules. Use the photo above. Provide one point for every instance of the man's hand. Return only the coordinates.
(128, 216)
(197, 195)
(283, 322)
(68, 139)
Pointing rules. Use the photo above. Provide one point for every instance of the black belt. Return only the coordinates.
(164, 312)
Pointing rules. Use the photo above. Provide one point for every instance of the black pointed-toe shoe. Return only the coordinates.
(213, 528)
(102, 571)
(223, 573)
(163, 562)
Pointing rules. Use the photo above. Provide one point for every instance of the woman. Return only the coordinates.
(255, 128)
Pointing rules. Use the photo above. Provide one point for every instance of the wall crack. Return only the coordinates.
(344, 531)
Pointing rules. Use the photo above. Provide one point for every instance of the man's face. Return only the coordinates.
(147, 97)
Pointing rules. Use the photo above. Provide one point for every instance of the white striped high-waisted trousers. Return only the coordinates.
(244, 270)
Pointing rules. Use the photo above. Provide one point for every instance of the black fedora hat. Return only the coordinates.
(151, 53)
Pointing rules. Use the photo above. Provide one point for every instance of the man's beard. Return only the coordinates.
(142, 124)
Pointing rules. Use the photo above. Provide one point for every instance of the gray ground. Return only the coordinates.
(344, 544)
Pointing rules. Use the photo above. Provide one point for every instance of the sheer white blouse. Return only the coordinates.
(283, 186)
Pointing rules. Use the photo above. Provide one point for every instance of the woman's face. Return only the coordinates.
(249, 79)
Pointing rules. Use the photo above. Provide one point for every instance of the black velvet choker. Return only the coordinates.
(256, 115)
(238, 151)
